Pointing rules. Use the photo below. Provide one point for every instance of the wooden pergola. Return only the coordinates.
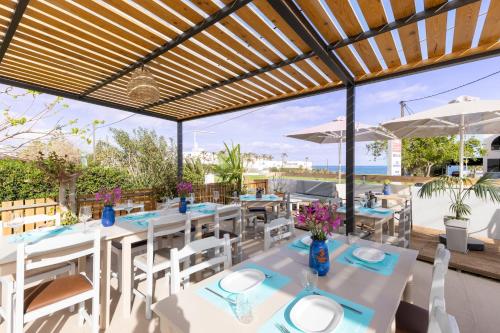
(215, 56)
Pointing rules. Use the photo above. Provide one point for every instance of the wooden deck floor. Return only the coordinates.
(485, 263)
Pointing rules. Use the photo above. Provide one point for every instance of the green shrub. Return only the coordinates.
(95, 178)
(24, 180)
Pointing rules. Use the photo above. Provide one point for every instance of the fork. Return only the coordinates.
(281, 328)
(360, 264)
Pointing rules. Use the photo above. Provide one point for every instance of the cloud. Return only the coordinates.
(395, 94)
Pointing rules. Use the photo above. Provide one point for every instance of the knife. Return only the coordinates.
(221, 296)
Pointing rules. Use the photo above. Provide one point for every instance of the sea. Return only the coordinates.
(358, 169)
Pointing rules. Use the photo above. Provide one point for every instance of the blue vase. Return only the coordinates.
(108, 216)
(387, 189)
(183, 206)
(319, 259)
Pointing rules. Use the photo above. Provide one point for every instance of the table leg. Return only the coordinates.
(391, 226)
(377, 235)
(105, 285)
(198, 234)
(126, 277)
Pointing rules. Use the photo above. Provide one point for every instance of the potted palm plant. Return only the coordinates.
(459, 191)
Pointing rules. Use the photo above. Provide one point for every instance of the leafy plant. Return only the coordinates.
(148, 158)
(68, 218)
(230, 167)
(95, 178)
(459, 190)
(24, 180)
(194, 170)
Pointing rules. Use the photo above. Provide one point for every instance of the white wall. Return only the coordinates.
(484, 220)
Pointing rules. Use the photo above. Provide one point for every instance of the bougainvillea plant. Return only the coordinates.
(184, 188)
(109, 198)
(320, 220)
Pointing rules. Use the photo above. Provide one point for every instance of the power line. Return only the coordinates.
(118, 121)
(238, 116)
(452, 89)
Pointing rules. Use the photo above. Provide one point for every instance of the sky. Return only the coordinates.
(264, 129)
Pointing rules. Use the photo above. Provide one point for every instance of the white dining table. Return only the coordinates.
(125, 232)
(187, 311)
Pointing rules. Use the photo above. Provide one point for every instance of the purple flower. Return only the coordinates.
(98, 196)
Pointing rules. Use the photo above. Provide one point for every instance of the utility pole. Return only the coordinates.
(402, 104)
(93, 139)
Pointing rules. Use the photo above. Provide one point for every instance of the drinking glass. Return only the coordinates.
(244, 309)
(216, 196)
(310, 279)
(352, 238)
(130, 206)
(84, 215)
(191, 198)
(18, 220)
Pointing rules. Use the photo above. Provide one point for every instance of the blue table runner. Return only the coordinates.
(385, 267)
(352, 322)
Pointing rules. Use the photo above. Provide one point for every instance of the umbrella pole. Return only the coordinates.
(461, 153)
(339, 176)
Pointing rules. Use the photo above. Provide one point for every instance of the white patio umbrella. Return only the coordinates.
(462, 115)
(335, 132)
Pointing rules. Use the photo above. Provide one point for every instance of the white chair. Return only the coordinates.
(412, 318)
(404, 229)
(32, 278)
(154, 261)
(228, 213)
(281, 228)
(440, 321)
(62, 292)
(201, 246)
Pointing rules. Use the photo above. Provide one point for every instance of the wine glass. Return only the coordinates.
(130, 206)
(216, 196)
(18, 220)
(191, 198)
(84, 215)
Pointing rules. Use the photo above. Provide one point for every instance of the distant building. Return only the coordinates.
(265, 166)
(491, 161)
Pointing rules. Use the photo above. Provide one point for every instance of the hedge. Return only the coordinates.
(24, 180)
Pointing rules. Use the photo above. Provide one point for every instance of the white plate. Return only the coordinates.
(242, 280)
(316, 313)
(369, 254)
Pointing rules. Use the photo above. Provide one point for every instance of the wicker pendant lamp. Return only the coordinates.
(142, 86)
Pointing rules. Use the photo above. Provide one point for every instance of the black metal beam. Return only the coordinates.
(65, 94)
(180, 153)
(296, 20)
(411, 71)
(206, 23)
(350, 150)
(219, 84)
(430, 12)
(14, 23)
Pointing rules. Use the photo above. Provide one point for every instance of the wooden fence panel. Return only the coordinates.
(28, 207)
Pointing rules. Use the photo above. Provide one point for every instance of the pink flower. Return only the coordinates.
(98, 196)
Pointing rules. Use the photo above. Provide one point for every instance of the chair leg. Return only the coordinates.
(72, 271)
(149, 294)
(81, 316)
(119, 271)
(95, 314)
(8, 297)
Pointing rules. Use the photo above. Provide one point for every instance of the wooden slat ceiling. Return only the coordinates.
(247, 58)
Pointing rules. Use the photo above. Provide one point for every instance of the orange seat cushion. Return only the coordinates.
(54, 291)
